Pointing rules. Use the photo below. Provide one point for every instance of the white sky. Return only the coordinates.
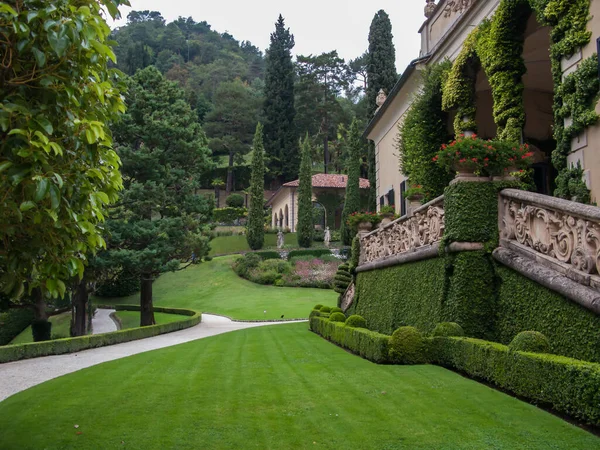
(318, 25)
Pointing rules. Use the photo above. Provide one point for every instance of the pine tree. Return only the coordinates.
(280, 133)
(255, 231)
(305, 229)
(381, 75)
(352, 203)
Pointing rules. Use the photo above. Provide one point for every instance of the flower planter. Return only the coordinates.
(386, 218)
(365, 227)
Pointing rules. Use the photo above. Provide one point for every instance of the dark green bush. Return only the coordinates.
(12, 322)
(41, 330)
(268, 255)
(314, 313)
(337, 317)
(123, 285)
(368, 344)
(33, 350)
(314, 252)
(267, 277)
(277, 265)
(243, 265)
(318, 307)
(407, 346)
(356, 321)
(568, 385)
(235, 201)
(228, 215)
(208, 258)
(336, 309)
(342, 279)
(325, 309)
(530, 341)
(448, 329)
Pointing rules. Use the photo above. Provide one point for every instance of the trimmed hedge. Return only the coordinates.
(337, 317)
(407, 346)
(448, 329)
(70, 345)
(356, 321)
(314, 252)
(342, 279)
(325, 309)
(530, 341)
(368, 344)
(567, 385)
(12, 322)
(336, 309)
(268, 255)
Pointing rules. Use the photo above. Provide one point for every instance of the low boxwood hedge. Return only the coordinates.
(69, 345)
(268, 255)
(568, 385)
(368, 344)
(314, 252)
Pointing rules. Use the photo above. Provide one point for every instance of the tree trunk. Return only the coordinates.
(326, 152)
(230, 173)
(39, 306)
(41, 328)
(80, 299)
(146, 307)
(217, 196)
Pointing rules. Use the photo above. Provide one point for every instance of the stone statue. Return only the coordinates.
(430, 8)
(381, 98)
(327, 238)
(280, 239)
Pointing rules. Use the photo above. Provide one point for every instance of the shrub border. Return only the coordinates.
(17, 352)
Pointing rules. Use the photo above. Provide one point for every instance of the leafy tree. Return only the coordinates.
(231, 124)
(255, 230)
(381, 74)
(279, 112)
(160, 223)
(305, 228)
(58, 171)
(352, 203)
(321, 79)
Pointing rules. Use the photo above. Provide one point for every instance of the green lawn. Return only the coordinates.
(223, 245)
(131, 319)
(213, 287)
(61, 326)
(278, 387)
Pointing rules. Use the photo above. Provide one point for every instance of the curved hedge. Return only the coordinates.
(70, 345)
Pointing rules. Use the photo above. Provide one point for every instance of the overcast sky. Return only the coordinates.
(318, 25)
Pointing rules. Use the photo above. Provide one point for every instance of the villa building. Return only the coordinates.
(544, 119)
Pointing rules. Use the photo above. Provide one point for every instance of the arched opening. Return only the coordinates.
(280, 218)
(319, 216)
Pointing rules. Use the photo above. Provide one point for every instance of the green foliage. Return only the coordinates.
(447, 329)
(72, 345)
(355, 253)
(352, 198)
(305, 228)
(331, 201)
(228, 215)
(318, 307)
(407, 346)
(235, 201)
(325, 309)
(317, 252)
(530, 341)
(356, 321)
(567, 385)
(58, 172)
(367, 344)
(336, 309)
(268, 255)
(242, 266)
(525, 305)
(314, 313)
(570, 185)
(255, 230)
(279, 112)
(343, 278)
(422, 133)
(41, 330)
(12, 322)
(337, 317)
(123, 285)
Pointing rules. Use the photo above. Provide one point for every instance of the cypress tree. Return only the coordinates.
(305, 229)
(352, 203)
(255, 231)
(381, 74)
(280, 133)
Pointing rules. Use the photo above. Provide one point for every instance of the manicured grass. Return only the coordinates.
(223, 245)
(213, 287)
(274, 387)
(61, 326)
(131, 319)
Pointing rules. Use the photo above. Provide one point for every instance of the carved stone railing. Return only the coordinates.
(559, 234)
(423, 229)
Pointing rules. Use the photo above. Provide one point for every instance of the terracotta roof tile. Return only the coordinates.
(325, 180)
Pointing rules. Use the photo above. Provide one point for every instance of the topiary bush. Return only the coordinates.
(447, 329)
(407, 346)
(318, 307)
(314, 313)
(336, 309)
(325, 309)
(342, 279)
(235, 201)
(356, 321)
(530, 341)
(268, 255)
(337, 317)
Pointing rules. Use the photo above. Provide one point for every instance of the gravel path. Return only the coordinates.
(20, 375)
(102, 322)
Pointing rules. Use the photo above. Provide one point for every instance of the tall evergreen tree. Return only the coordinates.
(381, 74)
(352, 203)
(280, 134)
(255, 230)
(305, 229)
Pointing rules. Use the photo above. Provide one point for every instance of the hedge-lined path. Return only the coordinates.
(20, 375)
(102, 322)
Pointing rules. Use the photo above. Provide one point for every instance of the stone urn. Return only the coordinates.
(386, 218)
(365, 227)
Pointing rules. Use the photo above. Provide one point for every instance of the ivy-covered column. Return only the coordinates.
(470, 235)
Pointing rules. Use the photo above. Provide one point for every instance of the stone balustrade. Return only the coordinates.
(557, 233)
(421, 230)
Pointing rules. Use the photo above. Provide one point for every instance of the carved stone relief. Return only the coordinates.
(348, 297)
(457, 6)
